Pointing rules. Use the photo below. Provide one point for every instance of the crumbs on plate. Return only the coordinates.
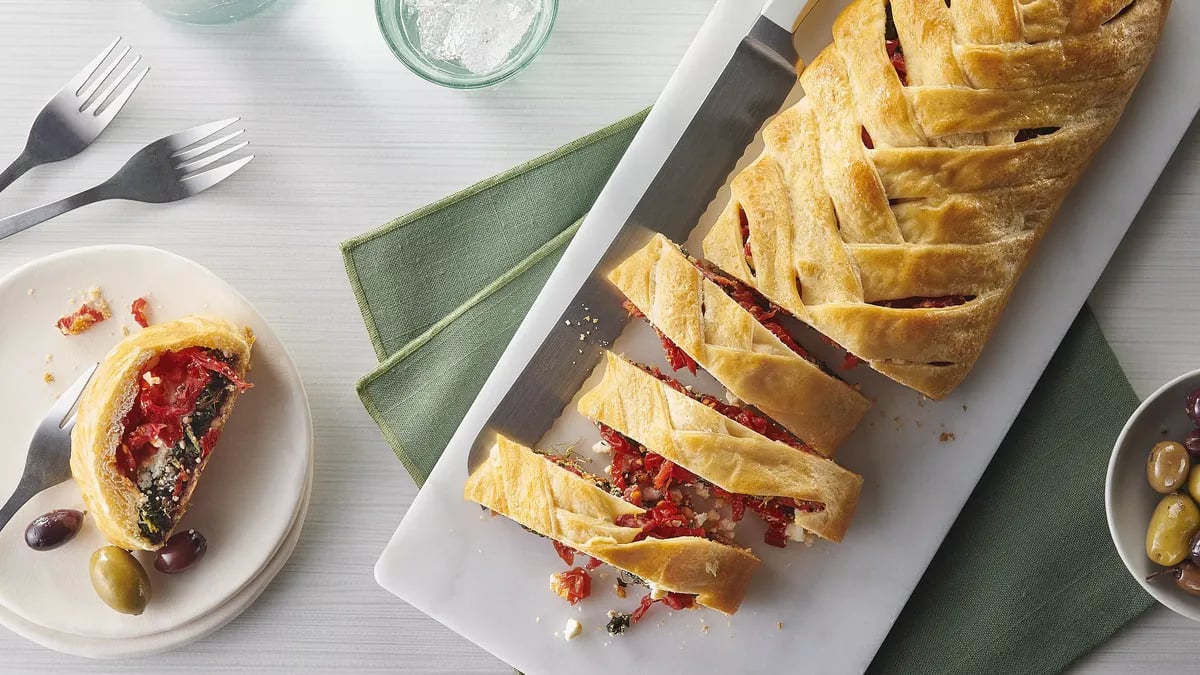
(93, 310)
(946, 437)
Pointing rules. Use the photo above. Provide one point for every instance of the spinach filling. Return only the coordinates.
(160, 479)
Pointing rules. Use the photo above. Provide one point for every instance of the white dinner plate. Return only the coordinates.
(827, 608)
(251, 489)
(126, 648)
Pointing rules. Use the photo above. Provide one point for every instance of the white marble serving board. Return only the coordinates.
(825, 608)
(252, 488)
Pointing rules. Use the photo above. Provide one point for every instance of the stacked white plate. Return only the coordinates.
(250, 505)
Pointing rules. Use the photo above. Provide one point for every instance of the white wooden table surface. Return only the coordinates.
(346, 139)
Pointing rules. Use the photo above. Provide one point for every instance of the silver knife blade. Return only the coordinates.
(753, 86)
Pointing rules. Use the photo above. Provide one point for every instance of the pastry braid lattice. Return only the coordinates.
(894, 207)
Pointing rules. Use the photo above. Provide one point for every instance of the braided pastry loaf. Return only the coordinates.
(894, 207)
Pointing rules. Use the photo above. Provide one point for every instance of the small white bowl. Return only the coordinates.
(1128, 498)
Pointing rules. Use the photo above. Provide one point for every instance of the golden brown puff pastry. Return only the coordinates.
(894, 207)
(130, 482)
(737, 349)
(721, 451)
(522, 485)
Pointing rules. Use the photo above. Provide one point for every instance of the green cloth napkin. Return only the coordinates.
(1027, 580)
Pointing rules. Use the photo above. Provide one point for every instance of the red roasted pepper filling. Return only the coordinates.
(891, 41)
(744, 227)
(169, 429)
(573, 585)
(918, 302)
(676, 357)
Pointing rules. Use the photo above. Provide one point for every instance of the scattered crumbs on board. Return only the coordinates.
(946, 437)
(29, 291)
(125, 330)
(47, 378)
(49, 358)
(706, 629)
(779, 626)
(964, 407)
(918, 424)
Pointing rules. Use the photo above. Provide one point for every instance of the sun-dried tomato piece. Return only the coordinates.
(573, 585)
(565, 552)
(138, 310)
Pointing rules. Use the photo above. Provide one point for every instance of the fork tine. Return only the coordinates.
(184, 155)
(118, 101)
(114, 83)
(199, 182)
(58, 413)
(86, 95)
(197, 164)
(77, 82)
(183, 139)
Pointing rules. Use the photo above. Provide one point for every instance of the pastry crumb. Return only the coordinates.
(48, 378)
(124, 330)
(946, 436)
(964, 407)
(706, 629)
(779, 626)
(49, 358)
(29, 291)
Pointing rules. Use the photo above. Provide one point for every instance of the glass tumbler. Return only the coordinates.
(207, 11)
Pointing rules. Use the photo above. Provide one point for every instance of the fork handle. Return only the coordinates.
(17, 169)
(27, 219)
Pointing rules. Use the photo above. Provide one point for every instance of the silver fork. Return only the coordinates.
(167, 170)
(49, 460)
(77, 114)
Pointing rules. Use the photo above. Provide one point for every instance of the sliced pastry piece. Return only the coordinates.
(553, 498)
(708, 319)
(894, 207)
(148, 421)
(747, 458)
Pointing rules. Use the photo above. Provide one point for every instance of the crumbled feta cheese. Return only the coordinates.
(150, 378)
(700, 518)
(602, 448)
(733, 400)
(701, 489)
(573, 629)
(795, 532)
(651, 494)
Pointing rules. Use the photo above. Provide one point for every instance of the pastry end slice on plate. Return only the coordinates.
(148, 422)
(558, 502)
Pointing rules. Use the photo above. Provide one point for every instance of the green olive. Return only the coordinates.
(120, 580)
(1175, 520)
(1193, 484)
(1167, 467)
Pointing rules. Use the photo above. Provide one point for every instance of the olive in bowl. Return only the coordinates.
(1131, 498)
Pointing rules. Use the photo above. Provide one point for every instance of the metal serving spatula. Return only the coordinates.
(752, 87)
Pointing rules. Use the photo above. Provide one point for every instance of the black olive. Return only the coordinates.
(51, 530)
(180, 552)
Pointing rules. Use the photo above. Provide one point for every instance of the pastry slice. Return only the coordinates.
(553, 498)
(894, 207)
(745, 457)
(148, 422)
(708, 319)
